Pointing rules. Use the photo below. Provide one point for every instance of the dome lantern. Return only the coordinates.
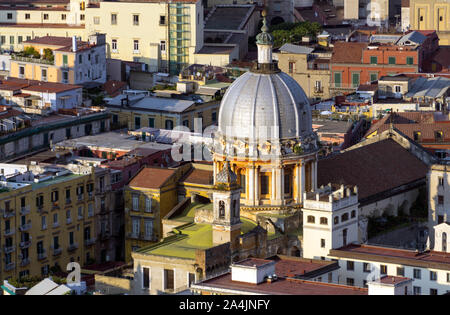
(264, 41)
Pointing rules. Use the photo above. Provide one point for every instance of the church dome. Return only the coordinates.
(259, 100)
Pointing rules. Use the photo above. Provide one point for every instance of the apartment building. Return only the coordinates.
(29, 19)
(48, 218)
(163, 35)
(61, 60)
(428, 15)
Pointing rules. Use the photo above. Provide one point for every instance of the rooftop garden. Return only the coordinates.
(30, 54)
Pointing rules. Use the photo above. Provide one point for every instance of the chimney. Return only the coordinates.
(74, 43)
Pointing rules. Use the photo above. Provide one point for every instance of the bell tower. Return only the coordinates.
(227, 224)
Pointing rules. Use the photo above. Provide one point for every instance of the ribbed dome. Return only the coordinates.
(257, 100)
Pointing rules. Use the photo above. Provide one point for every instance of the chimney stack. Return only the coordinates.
(74, 43)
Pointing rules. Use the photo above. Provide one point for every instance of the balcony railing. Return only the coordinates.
(80, 197)
(72, 247)
(9, 249)
(10, 266)
(25, 262)
(89, 242)
(343, 86)
(57, 251)
(25, 227)
(42, 255)
(69, 220)
(33, 60)
(25, 210)
(8, 213)
(10, 232)
(25, 244)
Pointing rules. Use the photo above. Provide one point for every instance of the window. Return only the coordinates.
(96, 20)
(2, 39)
(163, 46)
(148, 226)
(417, 274)
(311, 219)
(45, 16)
(9, 16)
(137, 122)
(80, 212)
(151, 122)
(288, 184)
(353, 214)
(136, 45)
(438, 135)
(373, 77)
(322, 243)
(27, 16)
(409, 60)
(350, 281)
(391, 60)
(80, 59)
(366, 267)
(355, 79)
(55, 196)
(221, 209)
(135, 200)
(433, 292)
(398, 89)
(433, 276)
(214, 116)
(350, 265)
(168, 279)
(448, 277)
(291, 67)
(417, 135)
(136, 226)
(114, 45)
(440, 199)
(162, 20)
(113, 19)
(11, 39)
(44, 223)
(264, 185)
(186, 123)
(148, 204)
(323, 221)
(63, 17)
(19, 39)
(90, 210)
(336, 220)
(373, 60)
(169, 124)
(68, 217)
(65, 77)
(44, 75)
(417, 290)
(400, 271)
(441, 181)
(145, 278)
(344, 217)
(21, 72)
(337, 79)
(81, 17)
(383, 269)
(135, 19)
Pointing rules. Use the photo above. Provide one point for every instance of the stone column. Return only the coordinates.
(302, 181)
(281, 177)
(274, 188)
(251, 185)
(256, 203)
(298, 183)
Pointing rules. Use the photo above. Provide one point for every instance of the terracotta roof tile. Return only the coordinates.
(151, 177)
(347, 52)
(374, 168)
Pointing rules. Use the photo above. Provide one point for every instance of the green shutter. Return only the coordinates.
(373, 60)
(392, 60)
(373, 77)
(355, 79)
(65, 60)
(409, 60)
(337, 79)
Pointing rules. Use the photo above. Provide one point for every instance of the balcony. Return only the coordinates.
(10, 266)
(32, 60)
(10, 232)
(89, 242)
(55, 225)
(55, 205)
(9, 249)
(68, 201)
(42, 255)
(8, 213)
(25, 244)
(69, 221)
(25, 227)
(90, 195)
(25, 262)
(134, 235)
(25, 210)
(344, 86)
(40, 209)
(56, 251)
(80, 197)
(72, 247)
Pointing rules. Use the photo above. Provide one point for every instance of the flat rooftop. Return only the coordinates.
(149, 103)
(282, 286)
(427, 259)
(331, 126)
(231, 17)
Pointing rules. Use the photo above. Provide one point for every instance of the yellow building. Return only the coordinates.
(431, 15)
(135, 112)
(150, 195)
(48, 219)
(309, 66)
(61, 60)
(40, 18)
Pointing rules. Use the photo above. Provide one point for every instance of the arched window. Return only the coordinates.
(323, 221)
(353, 215)
(169, 124)
(344, 217)
(336, 220)
(311, 219)
(221, 209)
(444, 242)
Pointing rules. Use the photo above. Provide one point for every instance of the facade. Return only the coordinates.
(136, 112)
(47, 219)
(430, 15)
(176, 31)
(310, 67)
(438, 213)
(62, 60)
